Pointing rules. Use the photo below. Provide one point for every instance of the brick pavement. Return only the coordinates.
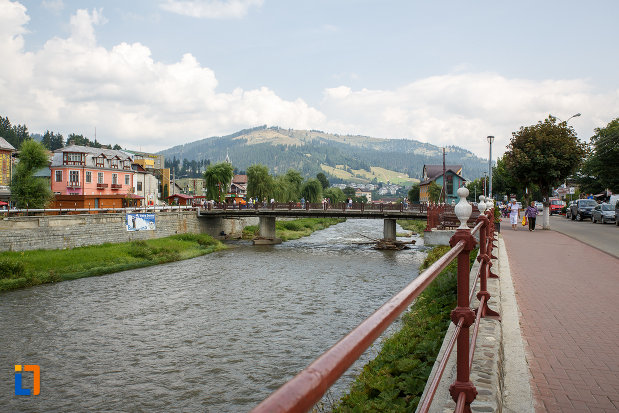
(568, 296)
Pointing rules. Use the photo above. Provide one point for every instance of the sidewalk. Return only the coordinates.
(568, 296)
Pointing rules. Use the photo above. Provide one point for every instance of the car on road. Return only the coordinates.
(603, 213)
(582, 208)
(539, 206)
(556, 205)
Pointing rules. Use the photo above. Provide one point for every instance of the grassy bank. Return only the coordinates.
(395, 379)
(27, 268)
(415, 225)
(295, 229)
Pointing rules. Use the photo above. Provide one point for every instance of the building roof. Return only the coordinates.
(182, 196)
(432, 171)
(5, 145)
(239, 179)
(108, 153)
(434, 178)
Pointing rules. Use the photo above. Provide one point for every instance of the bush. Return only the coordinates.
(10, 269)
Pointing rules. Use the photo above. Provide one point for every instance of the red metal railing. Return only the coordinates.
(305, 390)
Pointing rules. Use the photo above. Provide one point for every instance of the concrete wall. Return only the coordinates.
(68, 231)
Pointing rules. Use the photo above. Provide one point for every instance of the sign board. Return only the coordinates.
(140, 222)
(572, 190)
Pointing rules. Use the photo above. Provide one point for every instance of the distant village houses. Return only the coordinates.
(434, 173)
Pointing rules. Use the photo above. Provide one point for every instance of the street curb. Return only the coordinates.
(517, 395)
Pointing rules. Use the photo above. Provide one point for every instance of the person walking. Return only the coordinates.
(514, 214)
(531, 214)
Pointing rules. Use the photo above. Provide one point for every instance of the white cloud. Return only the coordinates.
(211, 9)
(462, 109)
(74, 85)
(55, 6)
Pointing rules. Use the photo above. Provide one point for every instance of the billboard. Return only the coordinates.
(141, 222)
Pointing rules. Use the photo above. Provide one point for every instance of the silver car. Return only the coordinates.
(603, 213)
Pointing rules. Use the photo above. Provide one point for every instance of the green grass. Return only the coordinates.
(395, 379)
(28, 268)
(295, 229)
(415, 225)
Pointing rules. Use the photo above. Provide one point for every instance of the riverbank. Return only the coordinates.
(415, 225)
(394, 381)
(28, 268)
(295, 229)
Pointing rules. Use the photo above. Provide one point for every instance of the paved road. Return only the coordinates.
(601, 236)
(567, 295)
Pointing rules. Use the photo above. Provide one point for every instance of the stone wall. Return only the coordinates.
(68, 231)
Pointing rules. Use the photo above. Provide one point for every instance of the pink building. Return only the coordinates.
(90, 175)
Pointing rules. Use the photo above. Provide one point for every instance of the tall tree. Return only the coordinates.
(296, 180)
(27, 190)
(600, 171)
(334, 194)
(312, 190)
(217, 180)
(544, 154)
(413, 193)
(323, 180)
(259, 182)
(434, 192)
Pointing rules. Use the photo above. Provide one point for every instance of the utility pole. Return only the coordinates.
(444, 194)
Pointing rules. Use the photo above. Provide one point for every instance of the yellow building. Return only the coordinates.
(6, 168)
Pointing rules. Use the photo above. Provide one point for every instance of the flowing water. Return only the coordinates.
(216, 333)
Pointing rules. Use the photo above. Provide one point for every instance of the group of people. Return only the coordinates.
(530, 214)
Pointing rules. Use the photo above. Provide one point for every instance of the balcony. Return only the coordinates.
(72, 184)
(101, 186)
(116, 186)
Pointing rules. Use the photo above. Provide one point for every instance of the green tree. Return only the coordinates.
(413, 193)
(600, 170)
(165, 191)
(323, 180)
(503, 182)
(13, 134)
(284, 190)
(27, 190)
(296, 180)
(53, 141)
(434, 192)
(334, 194)
(544, 154)
(217, 180)
(312, 191)
(259, 182)
(349, 192)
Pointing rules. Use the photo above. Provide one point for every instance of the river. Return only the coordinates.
(217, 333)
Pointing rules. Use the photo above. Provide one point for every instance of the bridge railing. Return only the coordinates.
(74, 210)
(307, 206)
(303, 391)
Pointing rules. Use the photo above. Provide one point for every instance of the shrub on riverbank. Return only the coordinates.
(295, 229)
(415, 225)
(27, 268)
(395, 379)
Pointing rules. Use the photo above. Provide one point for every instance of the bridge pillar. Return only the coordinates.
(389, 230)
(267, 232)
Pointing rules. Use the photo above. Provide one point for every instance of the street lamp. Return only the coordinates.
(568, 119)
(490, 140)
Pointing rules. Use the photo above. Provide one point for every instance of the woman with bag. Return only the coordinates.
(530, 214)
(514, 214)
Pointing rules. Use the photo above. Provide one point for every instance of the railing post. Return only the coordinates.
(463, 384)
(484, 262)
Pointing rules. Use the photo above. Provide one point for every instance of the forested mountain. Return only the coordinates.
(310, 151)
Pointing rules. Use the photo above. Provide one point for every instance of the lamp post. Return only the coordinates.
(490, 140)
(568, 119)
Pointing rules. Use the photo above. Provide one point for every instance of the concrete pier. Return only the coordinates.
(267, 236)
(389, 229)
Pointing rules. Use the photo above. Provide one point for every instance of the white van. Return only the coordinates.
(613, 200)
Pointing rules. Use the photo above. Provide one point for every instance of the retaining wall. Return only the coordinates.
(69, 231)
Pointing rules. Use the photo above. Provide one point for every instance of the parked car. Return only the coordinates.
(603, 213)
(568, 210)
(617, 213)
(556, 205)
(539, 206)
(582, 208)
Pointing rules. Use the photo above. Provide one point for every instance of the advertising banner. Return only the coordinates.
(141, 222)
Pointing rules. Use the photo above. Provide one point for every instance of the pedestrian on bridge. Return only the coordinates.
(514, 214)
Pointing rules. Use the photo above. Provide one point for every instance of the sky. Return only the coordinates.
(151, 74)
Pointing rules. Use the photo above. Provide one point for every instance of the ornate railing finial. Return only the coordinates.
(463, 209)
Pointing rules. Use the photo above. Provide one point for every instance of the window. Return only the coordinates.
(114, 163)
(71, 158)
(449, 186)
(58, 176)
(99, 161)
(74, 176)
(114, 179)
(127, 181)
(100, 177)
(139, 186)
(127, 165)
(88, 177)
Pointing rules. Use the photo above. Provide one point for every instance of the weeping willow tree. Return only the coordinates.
(312, 191)
(218, 178)
(259, 182)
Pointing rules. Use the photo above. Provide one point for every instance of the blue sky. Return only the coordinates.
(152, 74)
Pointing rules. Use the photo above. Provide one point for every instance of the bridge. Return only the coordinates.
(268, 213)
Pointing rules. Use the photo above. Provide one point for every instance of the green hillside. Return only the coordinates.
(360, 158)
